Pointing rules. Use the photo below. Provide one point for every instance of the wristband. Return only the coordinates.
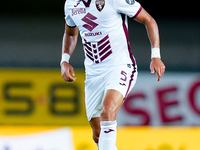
(155, 53)
(65, 57)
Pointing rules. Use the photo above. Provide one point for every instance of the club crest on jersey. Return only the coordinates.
(130, 2)
(100, 4)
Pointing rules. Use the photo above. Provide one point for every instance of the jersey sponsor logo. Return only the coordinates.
(98, 52)
(90, 24)
(130, 2)
(100, 4)
(78, 11)
(93, 34)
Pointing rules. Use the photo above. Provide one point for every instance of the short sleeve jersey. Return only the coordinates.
(103, 28)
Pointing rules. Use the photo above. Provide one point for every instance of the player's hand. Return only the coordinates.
(158, 67)
(67, 72)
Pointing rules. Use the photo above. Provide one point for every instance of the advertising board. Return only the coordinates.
(41, 97)
(43, 139)
(175, 100)
(80, 138)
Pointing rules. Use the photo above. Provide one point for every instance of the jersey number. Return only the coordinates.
(124, 78)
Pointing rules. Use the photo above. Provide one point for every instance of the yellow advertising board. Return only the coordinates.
(41, 97)
(80, 138)
(144, 138)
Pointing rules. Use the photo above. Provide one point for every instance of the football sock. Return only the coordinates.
(108, 135)
(97, 144)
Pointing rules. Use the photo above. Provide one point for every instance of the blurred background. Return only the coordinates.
(32, 92)
(31, 34)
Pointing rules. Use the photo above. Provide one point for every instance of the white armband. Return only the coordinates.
(155, 53)
(65, 57)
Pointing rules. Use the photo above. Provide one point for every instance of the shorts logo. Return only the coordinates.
(90, 24)
(130, 2)
(100, 4)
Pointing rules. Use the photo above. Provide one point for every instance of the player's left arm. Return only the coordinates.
(153, 34)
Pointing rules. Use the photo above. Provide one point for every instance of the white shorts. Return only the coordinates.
(121, 78)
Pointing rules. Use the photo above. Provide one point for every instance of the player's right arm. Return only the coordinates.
(68, 45)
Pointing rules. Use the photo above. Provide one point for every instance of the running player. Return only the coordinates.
(111, 69)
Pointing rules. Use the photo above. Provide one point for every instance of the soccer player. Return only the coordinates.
(111, 69)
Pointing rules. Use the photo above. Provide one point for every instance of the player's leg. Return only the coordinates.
(110, 106)
(102, 96)
(95, 125)
(94, 93)
(112, 99)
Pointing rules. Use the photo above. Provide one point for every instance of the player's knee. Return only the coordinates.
(108, 113)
